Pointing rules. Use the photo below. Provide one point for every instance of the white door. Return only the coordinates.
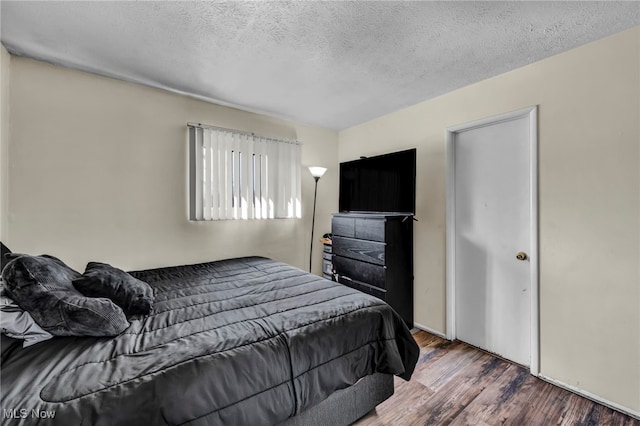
(492, 196)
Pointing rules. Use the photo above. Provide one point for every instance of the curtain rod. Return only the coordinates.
(242, 132)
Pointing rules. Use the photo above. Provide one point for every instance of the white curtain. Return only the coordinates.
(235, 175)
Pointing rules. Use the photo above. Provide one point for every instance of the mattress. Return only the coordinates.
(242, 341)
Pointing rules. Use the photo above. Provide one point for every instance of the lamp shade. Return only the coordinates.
(317, 172)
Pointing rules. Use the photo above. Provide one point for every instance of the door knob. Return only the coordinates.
(521, 256)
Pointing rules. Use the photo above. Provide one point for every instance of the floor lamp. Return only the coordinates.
(317, 173)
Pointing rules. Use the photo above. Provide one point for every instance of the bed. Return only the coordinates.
(246, 341)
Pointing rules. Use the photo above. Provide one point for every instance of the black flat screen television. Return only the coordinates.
(384, 183)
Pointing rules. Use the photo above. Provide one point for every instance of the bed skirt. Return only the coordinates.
(345, 406)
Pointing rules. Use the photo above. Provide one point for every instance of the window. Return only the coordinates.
(236, 175)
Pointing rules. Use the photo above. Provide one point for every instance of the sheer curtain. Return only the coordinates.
(236, 175)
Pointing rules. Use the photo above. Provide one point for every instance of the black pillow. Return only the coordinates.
(41, 285)
(103, 280)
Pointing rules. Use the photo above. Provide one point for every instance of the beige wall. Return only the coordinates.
(589, 194)
(98, 171)
(5, 70)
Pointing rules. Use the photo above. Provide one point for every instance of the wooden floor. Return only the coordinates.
(456, 384)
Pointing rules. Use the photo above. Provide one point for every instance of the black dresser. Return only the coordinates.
(374, 254)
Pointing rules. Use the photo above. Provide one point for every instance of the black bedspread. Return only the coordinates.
(242, 341)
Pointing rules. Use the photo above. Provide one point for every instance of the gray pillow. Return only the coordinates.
(41, 285)
(103, 280)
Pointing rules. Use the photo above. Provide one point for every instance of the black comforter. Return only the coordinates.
(241, 341)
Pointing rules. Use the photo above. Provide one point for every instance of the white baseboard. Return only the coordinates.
(592, 397)
(430, 330)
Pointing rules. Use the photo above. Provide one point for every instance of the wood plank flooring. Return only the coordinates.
(457, 384)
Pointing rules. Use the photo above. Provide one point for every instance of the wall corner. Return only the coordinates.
(5, 74)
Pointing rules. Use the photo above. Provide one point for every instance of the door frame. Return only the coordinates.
(532, 113)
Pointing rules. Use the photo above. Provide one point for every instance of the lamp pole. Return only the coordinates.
(317, 173)
(313, 220)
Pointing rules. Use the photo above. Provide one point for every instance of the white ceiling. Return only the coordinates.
(330, 64)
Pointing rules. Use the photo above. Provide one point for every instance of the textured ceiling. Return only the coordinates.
(331, 64)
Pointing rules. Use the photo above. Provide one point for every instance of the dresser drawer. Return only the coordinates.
(380, 294)
(348, 282)
(368, 251)
(370, 229)
(360, 271)
(343, 227)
